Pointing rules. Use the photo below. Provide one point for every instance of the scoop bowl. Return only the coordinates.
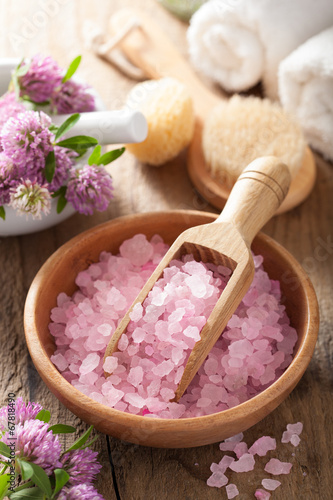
(58, 275)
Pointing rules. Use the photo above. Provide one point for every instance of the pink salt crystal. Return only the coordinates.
(262, 445)
(241, 348)
(262, 494)
(197, 286)
(113, 396)
(295, 428)
(244, 464)
(60, 362)
(105, 329)
(217, 480)
(134, 400)
(231, 490)
(136, 313)
(240, 449)
(167, 393)
(203, 402)
(123, 342)
(176, 409)
(110, 364)
(138, 250)
(163, 368)
(270, 484)
(89, 363)
(149, 350)
(295, 440)
(192, 332)
(135, 376)
(276, 467)
(138, 335)
(225, 462)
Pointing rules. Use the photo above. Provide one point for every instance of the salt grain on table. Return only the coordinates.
(254, 350)
(276, 467)
(270, 484)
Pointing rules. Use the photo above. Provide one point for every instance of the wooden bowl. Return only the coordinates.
(58, 275)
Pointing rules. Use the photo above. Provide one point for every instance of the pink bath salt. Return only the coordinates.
(135, 376)
(295, 440)
(276, 467)
(225, 462)
(251, 353)
(231, 490)
(262, 446)
(270, 484)
(110, 364)
(123, 342)
(89, 363)
(60, 361)
(244, 464)
(113, 396)
(136, 313)
(137, 250)
(262, 494)
(295, 428)
(217, 480)
(240, 449)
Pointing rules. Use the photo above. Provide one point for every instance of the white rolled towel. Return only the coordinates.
(306, 89)
(237, 43)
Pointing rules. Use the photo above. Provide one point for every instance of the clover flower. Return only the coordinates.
(30, 198)
(22, 413)
(8, 180)
(27, 140)
(79, 492)
(89, 188)
(42, 77)
(72, 97)
(9, 107)
(35, 443)
(81, 465)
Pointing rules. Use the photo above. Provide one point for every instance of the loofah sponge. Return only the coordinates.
(168, 109)
(244, 128)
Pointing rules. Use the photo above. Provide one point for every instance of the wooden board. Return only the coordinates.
(132, 472)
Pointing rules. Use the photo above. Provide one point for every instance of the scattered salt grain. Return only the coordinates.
(232, 491)
(276, 467)
(270, 484)
(262, 446)
(244, 464)
(262, 494)
(291, 435)
(217, 480)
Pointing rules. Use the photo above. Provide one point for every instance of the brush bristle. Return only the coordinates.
(245, 128)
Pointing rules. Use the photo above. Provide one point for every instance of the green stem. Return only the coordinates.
(24, 486)
(3, 470)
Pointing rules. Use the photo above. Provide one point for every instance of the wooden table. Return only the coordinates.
(131, 472)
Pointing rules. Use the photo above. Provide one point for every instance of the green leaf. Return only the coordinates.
(61, 477)
(62, 202)
(44, 416)
(67, 125)
(53, 127)
(81, 440)
(2, 213)
(22, 70)
(95, 155)
(28, 494)
(50, 166)
(38, 476)
(61, 429)
(71, 69)
(110, 156)
(90, 442)
(26, 469)
(4, 450)
(79, 143)
(4, 479)
(61, 191)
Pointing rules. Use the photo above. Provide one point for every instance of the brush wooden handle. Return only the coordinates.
(257, 194)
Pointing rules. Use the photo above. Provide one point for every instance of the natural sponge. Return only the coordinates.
(244, 128)
(168, 109)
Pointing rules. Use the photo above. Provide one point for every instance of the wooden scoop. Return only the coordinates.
(254, 199)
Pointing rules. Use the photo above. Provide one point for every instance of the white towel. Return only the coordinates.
(306, 89)
(237, 43)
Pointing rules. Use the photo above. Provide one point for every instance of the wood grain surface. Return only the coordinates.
(131, 472)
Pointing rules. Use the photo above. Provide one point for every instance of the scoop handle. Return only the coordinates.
(257, 194)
